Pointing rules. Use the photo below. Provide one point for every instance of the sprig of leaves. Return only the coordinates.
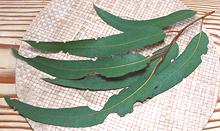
(83, 116)
(147, 86)
(151, 76)
(184, 64)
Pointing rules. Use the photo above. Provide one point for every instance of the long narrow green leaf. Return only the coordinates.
(100, 83)
(97, 82)
(126, 25)
(107, 46)
(109, 67)
(123, 102)
(184, 65)
(84, 116)
(61, 117)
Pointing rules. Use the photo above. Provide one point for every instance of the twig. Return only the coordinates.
(164, 53)
(182, 30)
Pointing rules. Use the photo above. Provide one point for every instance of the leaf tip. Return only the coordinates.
(31, 43)
(6, 97)
(46, 79)
(15, 52)
(96, 7)
(8, 100)
(193, 12)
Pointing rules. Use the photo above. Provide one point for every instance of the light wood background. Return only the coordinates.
(15, 17)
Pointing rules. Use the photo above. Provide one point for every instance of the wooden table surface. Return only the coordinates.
(16, 16)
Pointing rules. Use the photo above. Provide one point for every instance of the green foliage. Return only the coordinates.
(109, 67)
(98, 82)
(130, 25)
(101, 83)
(143, 77)
(184, 65)
(107, 46)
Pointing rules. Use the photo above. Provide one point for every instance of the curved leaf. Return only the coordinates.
(110, 66)
(84, 116)
(184, 65)
(107, 46)
(100, 83)
(126, 25)
(97, 82)
(68, 117)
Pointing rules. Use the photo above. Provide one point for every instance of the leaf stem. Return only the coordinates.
(164, 53)
(201, 24)
(183, 29)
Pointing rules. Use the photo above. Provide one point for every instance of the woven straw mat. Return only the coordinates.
(186, 106)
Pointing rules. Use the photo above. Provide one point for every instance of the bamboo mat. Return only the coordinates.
(15, 17)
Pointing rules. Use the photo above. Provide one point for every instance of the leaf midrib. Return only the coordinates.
(117, 103)
(185, 14)
(186, 60)
(147, 81)
(104, 68)
(115, 45)
(138, 88)
(143, 20)
(110, 107)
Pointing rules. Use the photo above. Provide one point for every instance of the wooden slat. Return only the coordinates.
(8, 46)
(211, 128)
(14, 118)
(7, 56)
(13, 26)
(14, 121)
(20, 11)
(9, 114)
(11, 33)
(9, 42)
(14, 22)
(4, 107)
(12, 95)
(7, 89)
(7, 67)
(7, 77)
(3, 25)
(23, 5)
(15, 127)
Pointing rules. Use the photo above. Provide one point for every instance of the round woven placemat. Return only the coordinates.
(187, 106)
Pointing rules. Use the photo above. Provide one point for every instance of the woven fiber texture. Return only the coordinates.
(187, 106)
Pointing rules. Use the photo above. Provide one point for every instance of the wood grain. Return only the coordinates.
(16, 16)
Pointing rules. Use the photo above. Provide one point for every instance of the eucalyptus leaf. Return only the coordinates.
(107, 46)
(184, 65)
(98, 82)
(101, 83)
(122, 103)
(84, 116)
(70, 69)
(127, 25)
